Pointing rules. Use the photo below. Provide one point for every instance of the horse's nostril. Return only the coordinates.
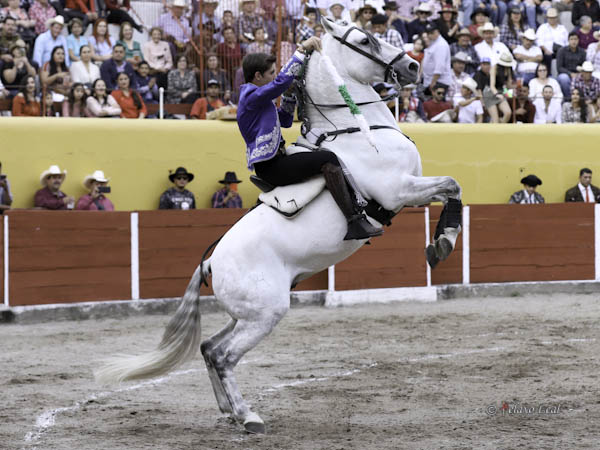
(413, 67)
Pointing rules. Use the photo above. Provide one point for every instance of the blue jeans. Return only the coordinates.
(467, 7)
(497, 15)
(564, 80)
(529, 12)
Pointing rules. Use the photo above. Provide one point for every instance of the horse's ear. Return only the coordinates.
(330, 26)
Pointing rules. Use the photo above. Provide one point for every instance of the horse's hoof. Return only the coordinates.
(255, 427)
(443, 248)
(431, 256)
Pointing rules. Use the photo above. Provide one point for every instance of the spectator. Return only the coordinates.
(84, 71)
(588, 8)
(436, 63)
(178, 197)
(464, 45)
(175, 27)
(551, 36)
(524, 110)
(417, 52)
(411, 107)
(247, 22)
(25, 25)
(528, 195)
(158, 55)
(133, 50)
(75, 105)
(547, 108)
(50, 196)
(468, 106)
(585, 191)
(593, 54)
(15, 71)
(41, 12)
(45, 42)
(229, 52)
(589, 87)
(259, 45)
(95, 200)
(146, 84)
(567, 60)
(435, 109)
(536, 85)
(100, 41)
(111, 68)
(501, 80)
(489, 48)
(182, 86)
(208, 15)
(459, 62)
(417, 27)
(100, 104)
(55, 74)
(381, 30)
(479, 18)
(528, 56)
(8, 38)
(512, 29)
(383, 89)
(447, 23)
(84, 10)
(364, 15)
(287, 47)
(48, 105)
(200, 45)
(131, 102)
(208, 103)
(306, 28)
(6, 197)
(595, 111)
(390, 9)
(75, 40)
(214, 72)
(577, 110)
(3, 91)
(336, 12)
(228, 196)
(585, 32)
(26, 103)
(118, 13)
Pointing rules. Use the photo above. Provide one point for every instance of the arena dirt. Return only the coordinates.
(399, 376)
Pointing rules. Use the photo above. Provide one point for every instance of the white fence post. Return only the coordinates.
(135, 258)
(6, 285)
(161, 103)
(466, 232)
(331, 279)
(427, 233)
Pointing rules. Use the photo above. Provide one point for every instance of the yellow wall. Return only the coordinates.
(487, 160)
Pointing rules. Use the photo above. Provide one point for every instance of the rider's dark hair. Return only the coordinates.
(256, 62)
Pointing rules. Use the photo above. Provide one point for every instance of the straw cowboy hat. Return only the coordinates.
(552, 12)
(58, 19)
(230, 177)
(463, 32)
(448, 8)
(505, 60)
(181, 171)
(180, 3)
(529, 34)
(52, 170)
(531, 180)
(587, 66)
(462, 57)
(98, 175)
(470, 84)
(487, 27)
(423, 7)
(337, 3)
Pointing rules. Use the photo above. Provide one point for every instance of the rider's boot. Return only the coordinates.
(358, 225)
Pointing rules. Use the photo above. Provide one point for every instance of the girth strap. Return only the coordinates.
(327, 134)
(379, 213)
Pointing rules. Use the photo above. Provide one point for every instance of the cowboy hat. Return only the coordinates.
(181, 171)
(470, 84)
(230, 177)
(587, 66)
(528, 34)
(52, 170)
(479, 11)
(337, 3)
(58, 19)
(364, 8)
(98, 175)
(463, 32)
(552, 12)
(505, 60)
(423, 7)
(462, 57)
(488, 26)
(448, 8)
(391, 5)
(531, 180)
(379, 19)
(180, 3)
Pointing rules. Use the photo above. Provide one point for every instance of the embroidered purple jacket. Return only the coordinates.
(258, 118)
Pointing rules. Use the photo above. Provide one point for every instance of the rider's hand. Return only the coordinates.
(312, 43)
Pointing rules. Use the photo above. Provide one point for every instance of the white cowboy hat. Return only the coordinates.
(180, 3)
(423, 7)
(332, 4)
(462, 57)
(470, 84)
(528, 34)
(487, 27)
(58, 19)
(552, 12)
(587, 66)
(98, 175)
(505, 60)
(52, 170)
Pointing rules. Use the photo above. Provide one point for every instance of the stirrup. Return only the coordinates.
(360, 228)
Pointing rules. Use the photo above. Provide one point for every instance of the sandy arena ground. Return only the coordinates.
(400, 376)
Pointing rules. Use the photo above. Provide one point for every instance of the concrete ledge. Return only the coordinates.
(516, 289)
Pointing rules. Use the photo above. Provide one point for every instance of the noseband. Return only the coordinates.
(389, 69)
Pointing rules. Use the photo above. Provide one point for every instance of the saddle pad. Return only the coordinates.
(289, 200)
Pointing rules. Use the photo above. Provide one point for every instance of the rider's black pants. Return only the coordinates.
(290, 169)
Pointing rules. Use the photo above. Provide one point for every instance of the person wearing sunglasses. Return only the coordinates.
(178, 197)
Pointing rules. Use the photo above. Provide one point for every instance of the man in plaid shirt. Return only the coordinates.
(588, 86)
(248, 22)
(306, 30)
(41, 11)
(381, 30)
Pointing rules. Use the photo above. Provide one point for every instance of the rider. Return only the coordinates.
(260, 120)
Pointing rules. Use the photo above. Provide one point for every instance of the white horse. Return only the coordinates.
(258, 260)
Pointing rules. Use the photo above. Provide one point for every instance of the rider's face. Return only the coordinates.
(266, 77)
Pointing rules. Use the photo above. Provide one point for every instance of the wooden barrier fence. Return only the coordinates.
(75, 256)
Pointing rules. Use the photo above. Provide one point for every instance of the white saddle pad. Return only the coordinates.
(289, 200)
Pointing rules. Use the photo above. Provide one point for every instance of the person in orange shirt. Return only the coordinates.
(85, 10)
(130, 101)
(208, 103)
(25, 102)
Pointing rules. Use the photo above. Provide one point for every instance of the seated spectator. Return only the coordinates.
(208, 103)
(593, 54)
(228, 196)
(418, 50)
(15, 71)
(75, 40)
(158, 55)
(589, 87)
(8, 38)
(585, 32)
(459, 62)
(248, 21)
(118, 13)
(25, 25)
(595, 111)
(133, 50)
(464, 45)
(551, 36)
(524, 110)
(528, 56)
(50, 196)
(6, 197)
(100, 104)
(84, 71)
(306, 28)
(411, 107)
(100, 41)
(41, 11)
(200, 45)
(48, 105)
(585, 191)
(528, 195)
(511, 31)
(175, 26)
(111, 68)
(447, 23)
(55, 74)
(46, 42)
(259, 45)
(84, 10)
(383, 89)
(381, 30)
(416, 27)
(287, 47)
(182, 86)
(131, 102)
(568, 59)
(479, 18)
(582, 8)
(502, 79)
(436, 63)
(391, 9)
(208, 16)
(229, 52)
(26, 103)
(547, 108)
(146, 84)
(76, 105)
(468, 106)
(95, 200)
(576, 110)
(336, 12)
(214, 72)
(490, 48)
(438, 105)
(536, 85)
(178, 197)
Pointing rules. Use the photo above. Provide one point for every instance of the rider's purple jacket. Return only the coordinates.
(258, 118)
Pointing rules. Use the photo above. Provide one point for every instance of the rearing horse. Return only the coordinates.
(257, 261)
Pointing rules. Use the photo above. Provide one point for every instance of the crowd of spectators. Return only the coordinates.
(481, 61)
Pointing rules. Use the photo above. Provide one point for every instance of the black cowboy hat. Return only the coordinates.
(230, 177)
(483, 11)
(379, 19)
(391, 5)
(531, 180)
(181, 171)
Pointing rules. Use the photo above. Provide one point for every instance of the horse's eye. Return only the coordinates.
(365, 41)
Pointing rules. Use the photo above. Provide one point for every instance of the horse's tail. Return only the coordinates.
(179, 343)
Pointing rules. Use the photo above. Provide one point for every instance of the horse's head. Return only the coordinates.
(366, 58)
